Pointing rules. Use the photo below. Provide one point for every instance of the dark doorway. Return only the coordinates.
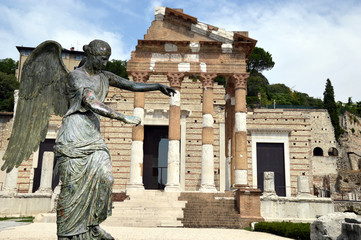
(270, 158)
(155, 161)
(46, 146)
(317, 151)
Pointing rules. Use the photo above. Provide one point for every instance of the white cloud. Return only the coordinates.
(310, 41)
(69, 22)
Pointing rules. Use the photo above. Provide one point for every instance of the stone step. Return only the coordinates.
(210, 210)
(148, 204)
(130, 215)
(148, 209)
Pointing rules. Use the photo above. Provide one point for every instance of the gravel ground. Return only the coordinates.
(47, 231)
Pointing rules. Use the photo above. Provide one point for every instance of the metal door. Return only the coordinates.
(270, 158)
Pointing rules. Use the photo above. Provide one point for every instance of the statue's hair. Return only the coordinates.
(97, 47)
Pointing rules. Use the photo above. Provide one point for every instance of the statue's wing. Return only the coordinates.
(42, 93)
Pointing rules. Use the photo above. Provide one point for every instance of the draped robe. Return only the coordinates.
(83, 161)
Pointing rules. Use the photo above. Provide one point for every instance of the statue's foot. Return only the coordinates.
(100, 233)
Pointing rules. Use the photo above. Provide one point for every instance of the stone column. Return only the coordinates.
(241, 162)
(174, 134)
(207, 177)
(11, 178)
(136, 164)
(46, 173)
(230, 102)
(269, 184)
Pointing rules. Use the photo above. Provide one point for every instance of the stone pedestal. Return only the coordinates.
(249, 205)
(46, 173)
(11, 180)
(303, 187)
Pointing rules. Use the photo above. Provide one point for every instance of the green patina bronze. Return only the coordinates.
(83, 159)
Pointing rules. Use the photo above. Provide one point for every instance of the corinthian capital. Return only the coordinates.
(175, 79)
(140, 76)
(240, 80)
(207, 79)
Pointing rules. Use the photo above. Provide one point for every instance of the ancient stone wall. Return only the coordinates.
(349, 162)
(324, 152)
(299, 138)
(118, 135)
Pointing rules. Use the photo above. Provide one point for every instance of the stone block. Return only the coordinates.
(329, 227)
(351, 229)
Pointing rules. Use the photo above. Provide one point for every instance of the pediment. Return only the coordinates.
(174, 25)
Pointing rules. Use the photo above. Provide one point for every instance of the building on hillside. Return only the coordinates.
(203, 139)
(71, 58)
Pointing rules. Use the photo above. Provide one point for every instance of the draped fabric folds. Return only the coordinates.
(84, 164)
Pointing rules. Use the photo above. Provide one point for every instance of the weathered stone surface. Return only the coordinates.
(328, 227)
(351, 229)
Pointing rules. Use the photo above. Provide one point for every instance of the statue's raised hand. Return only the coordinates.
(132, 120)
(166, 90)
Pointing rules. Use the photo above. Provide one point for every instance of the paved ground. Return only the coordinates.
(48, 231)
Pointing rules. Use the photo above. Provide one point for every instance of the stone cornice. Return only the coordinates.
(173, 12)
(270, 130)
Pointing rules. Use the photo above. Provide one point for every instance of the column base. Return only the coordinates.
(172, 188)
(5, 193)
(240, 186)
(208, 189)
(44, 190)
(9, 190)
(132, 189)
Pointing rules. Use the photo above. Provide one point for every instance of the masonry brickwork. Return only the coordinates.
(178, 43)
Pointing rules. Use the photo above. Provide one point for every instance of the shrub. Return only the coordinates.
(299, 231)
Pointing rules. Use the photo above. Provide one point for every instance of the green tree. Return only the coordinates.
(257, 83)
(117, 67)
(8, 66)
(8, 84)
(330, 105)
(260, 60)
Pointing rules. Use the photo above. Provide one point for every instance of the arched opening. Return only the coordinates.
(317, 151)
(333, 152)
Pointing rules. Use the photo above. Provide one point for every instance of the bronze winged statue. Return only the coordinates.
(83, 159)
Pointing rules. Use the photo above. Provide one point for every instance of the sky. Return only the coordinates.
(310, 40)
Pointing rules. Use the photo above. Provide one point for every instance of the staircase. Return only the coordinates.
(210, 210)
(150, 208)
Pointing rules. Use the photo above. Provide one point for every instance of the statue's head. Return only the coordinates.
(97, 48)
(98, 53)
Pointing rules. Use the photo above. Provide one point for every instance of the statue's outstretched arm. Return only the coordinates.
(122, 83)
(91, 102)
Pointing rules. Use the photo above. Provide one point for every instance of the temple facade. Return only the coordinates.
(203, 139)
